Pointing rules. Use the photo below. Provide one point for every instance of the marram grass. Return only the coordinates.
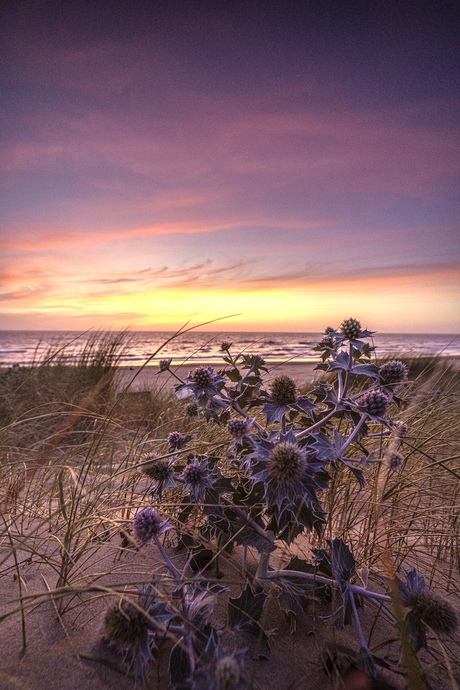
(80, 458)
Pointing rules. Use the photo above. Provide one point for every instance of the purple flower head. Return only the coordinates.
(197, 478)
(291, 479)
(203, 382)
(176, 440)
(149, 524)
(350, 329)
(239, 427)
(374, 403)
(392, 372)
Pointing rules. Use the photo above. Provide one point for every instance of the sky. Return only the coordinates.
(285, 164)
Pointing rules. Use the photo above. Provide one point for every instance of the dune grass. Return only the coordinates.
(74, 446)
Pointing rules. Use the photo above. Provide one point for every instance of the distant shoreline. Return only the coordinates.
(149, 377)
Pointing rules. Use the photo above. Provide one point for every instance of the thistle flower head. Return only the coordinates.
(238, 428)
(395, 461)
(328, 330)
(399, 428)
(227, 673)
(147, 524)
(201, 377)
(287, 462)
(196, 479)
(427, 607)
(176, 440)
(350, 328)
(392, 372)
(191, 410)
(157, 469)
(124, 625)
(374, 403)
(225, 346)
(283, 390)
(164, 364)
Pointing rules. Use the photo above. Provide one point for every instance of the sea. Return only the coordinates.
(26, 348)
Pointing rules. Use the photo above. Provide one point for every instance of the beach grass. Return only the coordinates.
(74, 447)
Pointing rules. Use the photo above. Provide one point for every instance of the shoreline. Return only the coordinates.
(149, 377)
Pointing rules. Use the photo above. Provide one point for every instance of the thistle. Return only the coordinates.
(238, 428)
(176, 440)
(283, 390)
(201, 377)
(374, 403)
(125, 625)
(164, 364)
(148, 524)
(287, 462)
(350, 328)
(196, 479)
(227, 673)
(430, 609)
(392, 372)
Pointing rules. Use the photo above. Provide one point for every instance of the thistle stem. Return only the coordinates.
(170, 565)
(319, 579)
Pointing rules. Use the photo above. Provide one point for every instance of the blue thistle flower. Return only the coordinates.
(176, 440)
(350, 329)
(149, 524)
(392, 372)
(374, 403)
(196, 478)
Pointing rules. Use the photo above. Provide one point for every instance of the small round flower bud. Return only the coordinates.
(374, 402)
(146, 524)
(287, 462)
(165, 364)
(283, 390)
(201, 377)
(176, 439)
(435, 612)
(237, 427)
(350, 328)
(392, 372)
(124, 625)
(225, 346)
(227, 673)
(328, 330)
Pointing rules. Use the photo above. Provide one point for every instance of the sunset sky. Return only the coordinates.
(296, 163)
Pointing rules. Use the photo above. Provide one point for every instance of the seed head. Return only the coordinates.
(124, 625)
(201, 377)
(176, 440)
(146, 525)
(238, 428)
(374, 402)
(395, 461)
(157, 469)
(287, 462)
(283, 390)
(392, 372)
(429, 608)
(227, 673)
(350, 328)
(191, 410)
